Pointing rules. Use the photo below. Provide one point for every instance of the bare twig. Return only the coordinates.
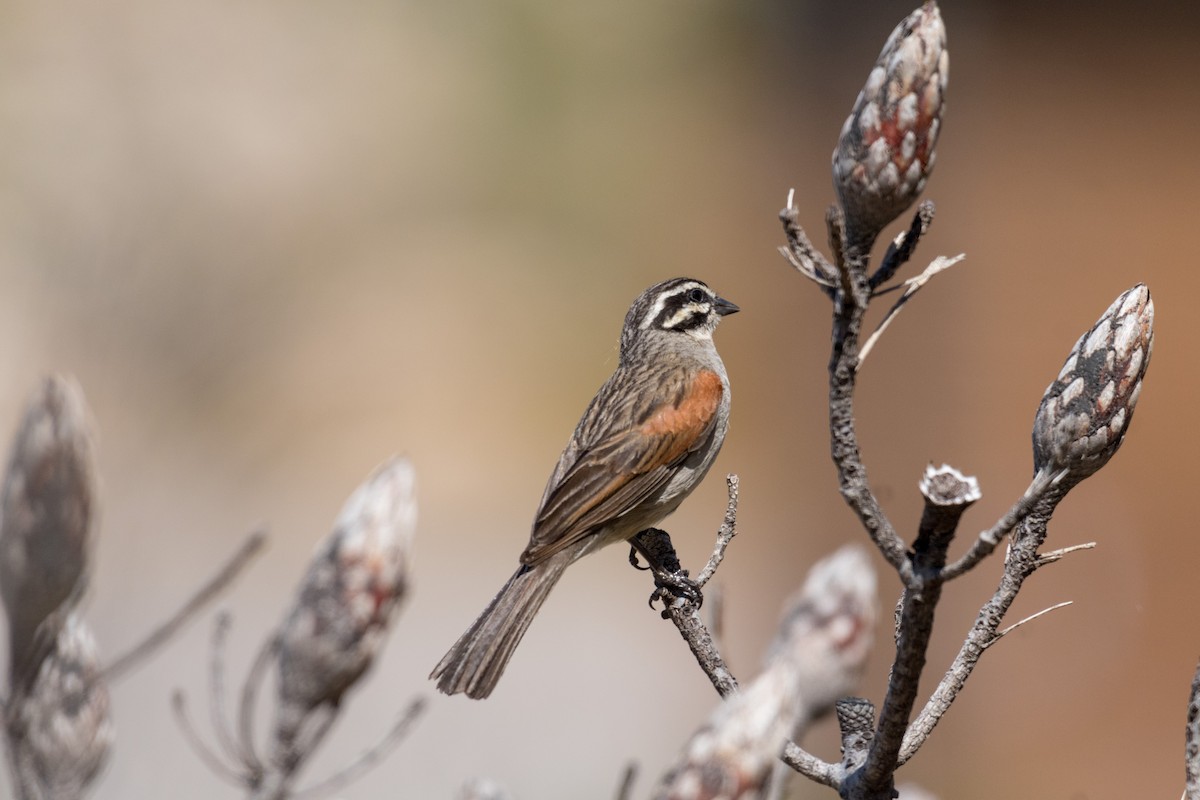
(904, 245)
(250, 548)
(1055, 555)
(800, 252)
(628, 776)
(986, 542)
(369, 758)
(686, 616)
(249, 701)
(202, 750)
(848, 313)
(683, 607)
(811, 767)
(912, 286)
(1020, 562)
(216, 700)
(1001, 634)
(726, 533)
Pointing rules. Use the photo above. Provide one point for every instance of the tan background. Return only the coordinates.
(278, 241)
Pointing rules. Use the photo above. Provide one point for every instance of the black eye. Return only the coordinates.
(697, 295)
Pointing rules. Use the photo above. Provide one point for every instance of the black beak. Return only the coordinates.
(724, 308)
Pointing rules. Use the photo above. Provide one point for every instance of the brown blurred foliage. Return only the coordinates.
(278, 241)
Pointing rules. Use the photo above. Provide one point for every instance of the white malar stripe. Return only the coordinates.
(699, 309)
(661, 301)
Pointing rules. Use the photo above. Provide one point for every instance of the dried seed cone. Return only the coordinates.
(886, 149)
(60, 731)
(355, 582)
(45, 519)
(817, 656)
(1086, 411)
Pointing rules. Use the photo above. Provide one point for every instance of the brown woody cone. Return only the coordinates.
(886, 149)
(1086, 411)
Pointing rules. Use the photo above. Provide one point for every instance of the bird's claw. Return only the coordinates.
(633, 560)
(671, 585)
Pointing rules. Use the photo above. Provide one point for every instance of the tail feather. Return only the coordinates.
(477, 660)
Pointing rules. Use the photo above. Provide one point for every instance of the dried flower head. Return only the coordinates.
(1086, 411)
(818, 655)
(59, 730)
(47, 508)
(886, 149)
(355, 582)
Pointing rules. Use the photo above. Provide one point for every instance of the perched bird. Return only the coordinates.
(644, 443)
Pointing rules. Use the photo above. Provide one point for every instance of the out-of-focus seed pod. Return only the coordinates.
(45, 519)
(346, 602)
(59, 728)
(819, 653)
(1086, 411)
(886, 149)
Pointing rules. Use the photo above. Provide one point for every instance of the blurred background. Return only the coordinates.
(279, 241)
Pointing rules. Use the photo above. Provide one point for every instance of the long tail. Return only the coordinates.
(476, 661)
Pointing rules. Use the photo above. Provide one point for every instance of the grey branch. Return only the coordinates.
(904, 245)
(1021, 562)
(986, 542)
(800, 252)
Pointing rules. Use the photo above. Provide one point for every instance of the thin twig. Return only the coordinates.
(1020, 562)
(369, 758)
(986, 542)
(904, 245)
(726, 533)
(202, 750)
(812, 767)
(628, 776)
(1001, 634)
(249, 699)
(800, 252)
(217, 704)
(250, 548)
(686, 616)
(1055, 555)
(912, 286)
(312, 731)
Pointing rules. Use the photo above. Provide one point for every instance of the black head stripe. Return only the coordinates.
(667, 306)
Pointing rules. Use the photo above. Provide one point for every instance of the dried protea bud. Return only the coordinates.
(886, 149)
(47, 514)
(817, 656)
(828, 629)
(1086, 411)
(346, 601)
(59, 729)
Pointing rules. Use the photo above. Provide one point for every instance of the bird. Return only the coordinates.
(645, 441)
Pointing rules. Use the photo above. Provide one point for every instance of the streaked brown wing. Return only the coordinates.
(621, 468)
